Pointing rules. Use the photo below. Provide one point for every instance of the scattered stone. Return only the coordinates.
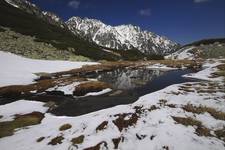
(152, 137)
(140, 137)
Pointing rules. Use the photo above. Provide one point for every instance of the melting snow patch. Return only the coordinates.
(20, 107)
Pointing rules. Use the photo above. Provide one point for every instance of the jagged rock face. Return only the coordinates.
(121, 37)
(34, 10)
(54, 19)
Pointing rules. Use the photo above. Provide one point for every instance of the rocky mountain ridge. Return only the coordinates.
(121, 37)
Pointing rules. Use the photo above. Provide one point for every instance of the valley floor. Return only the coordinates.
(179, 117)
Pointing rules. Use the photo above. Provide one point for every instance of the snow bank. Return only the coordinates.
(20, 107)
(19, 70)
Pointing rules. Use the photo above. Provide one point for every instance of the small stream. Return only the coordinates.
(128, 85)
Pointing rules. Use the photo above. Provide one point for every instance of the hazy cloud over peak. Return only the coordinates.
(200, 1)
(145, 12)
(74, 4)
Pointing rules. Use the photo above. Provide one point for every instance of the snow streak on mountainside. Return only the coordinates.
(121, 37)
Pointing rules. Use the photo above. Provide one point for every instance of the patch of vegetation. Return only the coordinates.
(116, 142)
(65, 127)
(7, 128)
(78, 140)
(56, 140)
(92, 86)
(206, 42)
(187, 121)
(42, 85)
(153, 107)
(220, 134)
(102, 126)
(202, 109)
(122, 123)
(102, 145)
(220, 72)
(200, 130)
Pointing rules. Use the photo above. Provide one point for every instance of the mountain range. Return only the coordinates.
(47, 36)
(121, 37)
(90, 38)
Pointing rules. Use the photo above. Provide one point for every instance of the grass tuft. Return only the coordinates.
(65, 127)
(203, 109)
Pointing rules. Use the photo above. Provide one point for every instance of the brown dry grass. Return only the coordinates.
(202, 109)
(121, 123)
(220, 134)
(56, 140)
(200, 130)
(40, 86)
(7, 128)
(108, 66)
(116, 142)
(92, 86)
(78, 140)
(65, 127)
(102, 126)
(40, 139)
(187, 121)
(98, 146)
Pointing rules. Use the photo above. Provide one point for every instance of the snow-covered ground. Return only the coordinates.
(183, 53)
(20, 107)
(147, 124)
(19, 70)
(205, 74)
(160, 67)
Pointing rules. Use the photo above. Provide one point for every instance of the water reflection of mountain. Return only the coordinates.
(129, 79)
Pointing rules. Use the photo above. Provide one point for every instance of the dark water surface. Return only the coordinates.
(128, 85)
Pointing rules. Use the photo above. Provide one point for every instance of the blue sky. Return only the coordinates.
(183, 21)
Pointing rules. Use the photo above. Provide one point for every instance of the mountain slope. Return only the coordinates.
(33, 24)
(121, 37)
(208, 48)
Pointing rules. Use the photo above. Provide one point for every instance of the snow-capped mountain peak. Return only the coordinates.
(120, 37)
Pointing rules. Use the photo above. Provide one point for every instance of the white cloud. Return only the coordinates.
(200, 1)
(74, 4)
(145, 12)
